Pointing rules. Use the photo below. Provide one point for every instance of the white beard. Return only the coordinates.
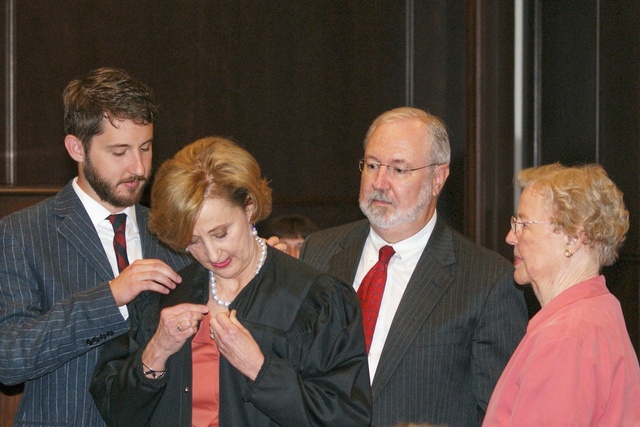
(389, 217)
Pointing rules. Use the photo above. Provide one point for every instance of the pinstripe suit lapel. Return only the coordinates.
(429, 282)
(344, 262)
(150, 247)
(76, 228)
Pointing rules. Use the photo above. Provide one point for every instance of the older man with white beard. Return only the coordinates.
(448, 315)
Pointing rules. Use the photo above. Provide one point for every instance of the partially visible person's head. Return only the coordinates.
(291, 230)
(209, 168)
(108, 121)
(105, 93)
(405, 166)
(581, 199)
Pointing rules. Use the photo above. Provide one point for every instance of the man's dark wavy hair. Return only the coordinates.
(108, 93)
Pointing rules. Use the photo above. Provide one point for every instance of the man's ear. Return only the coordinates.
(438, 179)
(74, 148)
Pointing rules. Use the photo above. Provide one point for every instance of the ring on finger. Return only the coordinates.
(213, 336)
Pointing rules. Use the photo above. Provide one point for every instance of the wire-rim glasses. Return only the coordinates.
(517, 225)
(395, 171)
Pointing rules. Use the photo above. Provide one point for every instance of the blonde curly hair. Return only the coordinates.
(582, 198)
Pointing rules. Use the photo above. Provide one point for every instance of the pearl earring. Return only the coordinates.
(567, 252)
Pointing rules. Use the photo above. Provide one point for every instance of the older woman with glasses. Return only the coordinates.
(575, 365)
(251, 336)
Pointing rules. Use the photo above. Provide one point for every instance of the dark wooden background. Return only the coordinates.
(298, 82)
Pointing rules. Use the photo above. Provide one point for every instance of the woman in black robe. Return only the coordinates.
(252, 336)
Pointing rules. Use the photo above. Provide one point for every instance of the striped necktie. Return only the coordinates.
(119, 224)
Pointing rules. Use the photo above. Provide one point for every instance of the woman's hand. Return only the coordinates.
(176, 325)
(236, 344)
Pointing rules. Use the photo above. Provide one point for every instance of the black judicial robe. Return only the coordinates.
(308, 326)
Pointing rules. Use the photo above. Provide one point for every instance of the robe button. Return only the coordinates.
(186, 389)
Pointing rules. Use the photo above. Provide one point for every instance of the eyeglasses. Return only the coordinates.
(395, 171)
(517, 225)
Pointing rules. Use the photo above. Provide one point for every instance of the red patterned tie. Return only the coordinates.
(119, 223)
(370, 293)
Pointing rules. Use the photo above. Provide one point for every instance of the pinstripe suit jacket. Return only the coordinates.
(56, 307)
(458, 322)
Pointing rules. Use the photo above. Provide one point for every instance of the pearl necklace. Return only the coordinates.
(212, 279)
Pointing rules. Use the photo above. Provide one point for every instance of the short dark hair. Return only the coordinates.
(291, 227)
(108, 93)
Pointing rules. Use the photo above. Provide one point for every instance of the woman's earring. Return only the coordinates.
(567, 252)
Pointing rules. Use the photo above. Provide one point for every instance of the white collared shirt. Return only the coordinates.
(401, 267)
(99, 218)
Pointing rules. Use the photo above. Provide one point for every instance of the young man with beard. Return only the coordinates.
(450, 315)
(63, 289)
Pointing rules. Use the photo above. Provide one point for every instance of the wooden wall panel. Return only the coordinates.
(9, 401)
(440, 69)
(56, 42)
(4, 20)
(15, 198)
(296, 84)
(569, 81)
(619, 141)
(302, 108)
(489, 150)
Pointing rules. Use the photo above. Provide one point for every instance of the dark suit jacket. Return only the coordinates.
(56, 307)
(458, 322)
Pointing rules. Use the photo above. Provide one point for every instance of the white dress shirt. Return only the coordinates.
(99, 218)
(401, 267)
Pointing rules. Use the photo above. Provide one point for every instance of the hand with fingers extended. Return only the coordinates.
(236, 344)
(143, 275)
(176, 325)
